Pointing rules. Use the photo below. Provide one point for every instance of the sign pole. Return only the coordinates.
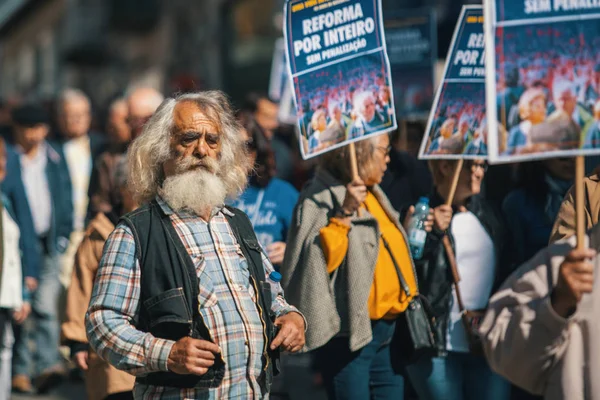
(459, 166)
(446, 239)
(579, 202)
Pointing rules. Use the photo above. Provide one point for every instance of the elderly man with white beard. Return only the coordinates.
(184, 298)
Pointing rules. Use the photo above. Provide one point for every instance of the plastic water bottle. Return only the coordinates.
(275, 279)
(416, 231)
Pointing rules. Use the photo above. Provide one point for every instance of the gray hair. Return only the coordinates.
(71, 94)
(148, 152)
(337, 162)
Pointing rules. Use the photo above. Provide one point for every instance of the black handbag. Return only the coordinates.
(413, 337)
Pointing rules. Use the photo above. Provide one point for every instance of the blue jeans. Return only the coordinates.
(364, 374)
(42, 325)
(458, 376)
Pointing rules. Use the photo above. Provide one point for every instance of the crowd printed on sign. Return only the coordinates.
(340, 72)
(543, 79)
(457, 126)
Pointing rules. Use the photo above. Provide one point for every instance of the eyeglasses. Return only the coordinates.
(475, 166)
(386, 150)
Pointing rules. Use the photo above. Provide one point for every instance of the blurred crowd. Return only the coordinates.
(64, 188)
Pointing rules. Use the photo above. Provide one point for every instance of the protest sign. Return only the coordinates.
(340, 70)
(457, 128)
(543, 83)
(279, 73)
(411, 41)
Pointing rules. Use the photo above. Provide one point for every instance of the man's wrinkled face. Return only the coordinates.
(195, 141)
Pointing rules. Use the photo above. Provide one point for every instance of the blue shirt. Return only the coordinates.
(276, 205)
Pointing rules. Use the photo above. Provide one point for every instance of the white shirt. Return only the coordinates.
(476, 261)
(79, 160)
(35, 180)
(11, 286)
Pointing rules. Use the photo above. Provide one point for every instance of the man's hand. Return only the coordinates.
(81, 360)
(575, 278)
(443, 217)
(291, 333)
(192, 356)
(21, 314)
(276, 252)
(31, 283)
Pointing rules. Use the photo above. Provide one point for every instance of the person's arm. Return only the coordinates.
(334, 241)
(523, 336)
(67, 217)
(28, 242)
(100, 188)
(113, 307)
(279, 305)
(79, 295)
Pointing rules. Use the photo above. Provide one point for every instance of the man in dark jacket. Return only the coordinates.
(42, 170)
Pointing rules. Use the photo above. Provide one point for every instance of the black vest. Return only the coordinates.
(169, 291)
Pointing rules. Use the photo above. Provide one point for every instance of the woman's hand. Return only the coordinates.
(428, 225)
(442, 217)
(356, 194)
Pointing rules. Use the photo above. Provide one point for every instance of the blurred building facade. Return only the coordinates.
(106, 46)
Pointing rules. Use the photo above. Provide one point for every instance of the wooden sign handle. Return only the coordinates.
(579, 202)
(354, 168)
(457, 170)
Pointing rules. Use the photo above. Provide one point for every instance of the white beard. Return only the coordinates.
(197, 190)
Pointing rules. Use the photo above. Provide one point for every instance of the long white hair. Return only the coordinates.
(149, 151)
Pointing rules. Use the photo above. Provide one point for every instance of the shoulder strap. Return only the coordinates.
(403, 283)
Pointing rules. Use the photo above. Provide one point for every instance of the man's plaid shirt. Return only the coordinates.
(227, 304)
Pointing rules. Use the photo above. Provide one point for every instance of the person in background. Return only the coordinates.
(42, 169)
(103, 381)
(15, 303)
(531, 209)
(265, 114)
(339, 271)
(268, 201)
(530, 212)
(406, 178)
(81, 148)
(137, 108)
(541, 329)
(477, 234)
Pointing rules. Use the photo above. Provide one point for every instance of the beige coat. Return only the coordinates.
(102, 379)
(565, 221)
(529, 344)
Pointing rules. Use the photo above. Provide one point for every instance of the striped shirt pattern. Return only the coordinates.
(227, 304)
